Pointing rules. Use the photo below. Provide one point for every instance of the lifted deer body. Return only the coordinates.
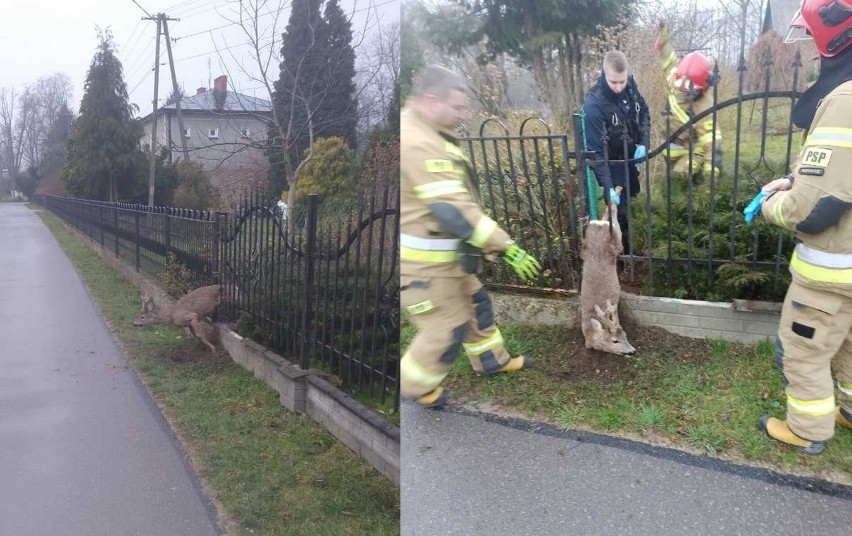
(601, 290)
(187, 312)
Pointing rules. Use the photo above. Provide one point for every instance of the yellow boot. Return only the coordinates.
(843, 418)
(435, 398)
(779, 431)
(517, 363)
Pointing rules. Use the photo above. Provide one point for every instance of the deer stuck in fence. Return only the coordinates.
(600, 289)
(188, 312)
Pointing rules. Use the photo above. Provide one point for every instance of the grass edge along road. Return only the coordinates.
(269, 471)
(696, 395)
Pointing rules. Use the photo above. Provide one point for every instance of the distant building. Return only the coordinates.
(225, 133)
(778, 15)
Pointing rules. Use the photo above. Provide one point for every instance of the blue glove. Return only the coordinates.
(614, 197)
(641, 151)
(754, 207)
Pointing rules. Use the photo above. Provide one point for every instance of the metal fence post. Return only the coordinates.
(215, 262)
(310, 257)
(136, 218)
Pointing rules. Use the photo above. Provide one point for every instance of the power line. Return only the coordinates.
(140, 7)
(175, 39)
(140, 82)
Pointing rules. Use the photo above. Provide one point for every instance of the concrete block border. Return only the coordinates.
(355, 425)
(740, 321)
(358, 427)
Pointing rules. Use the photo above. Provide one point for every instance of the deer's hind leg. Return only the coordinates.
(200, 334)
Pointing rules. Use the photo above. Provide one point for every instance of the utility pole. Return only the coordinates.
(158, 18)
(174, 85)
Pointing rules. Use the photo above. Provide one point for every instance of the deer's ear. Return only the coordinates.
(599, 311)
(147, 303)
(596, 326)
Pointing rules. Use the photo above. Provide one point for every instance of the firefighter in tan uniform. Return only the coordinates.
(815, 332)
(444, 235)
(688, 79)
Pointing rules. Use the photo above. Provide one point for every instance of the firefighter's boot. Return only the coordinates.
(434, 399)
(843, 418)
(779, 431)
(517, 363)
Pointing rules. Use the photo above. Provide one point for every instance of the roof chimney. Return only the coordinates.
(200, 90)
(220, 84)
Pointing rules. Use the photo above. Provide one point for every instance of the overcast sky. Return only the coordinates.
(42, 37)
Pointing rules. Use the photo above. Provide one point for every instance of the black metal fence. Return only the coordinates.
(319, 285)
(687, 236)
(151, 239)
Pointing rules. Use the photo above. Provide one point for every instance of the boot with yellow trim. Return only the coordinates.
(517, 363)
(843, 418)
(434, 399)
(779, 431)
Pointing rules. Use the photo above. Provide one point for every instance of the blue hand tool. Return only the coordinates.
(754, 207)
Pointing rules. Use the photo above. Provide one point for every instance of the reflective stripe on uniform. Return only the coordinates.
(438, 188)
(422, 256)
(813, 408)
(680, 151)
(845, 388)
(831, 136)
(823, 258)
(454, 149)
(706, 138)
(411, 371)
(483, 231)
(669, 60)
(678, 112)
(429, 244)
(819, 273)
(495, 340)
(419, 308)
(778, 214)
(439, 166)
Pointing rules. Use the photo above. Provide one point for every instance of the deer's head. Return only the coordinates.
(149, 314)
(608, 336)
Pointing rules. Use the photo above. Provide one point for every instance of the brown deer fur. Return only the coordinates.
(188, 312)
(600, 289)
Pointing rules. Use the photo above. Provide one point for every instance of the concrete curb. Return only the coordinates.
(354, 424)
(358, 427)
(740, 320)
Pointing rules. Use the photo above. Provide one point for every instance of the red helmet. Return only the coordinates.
(695, 68)
(828, 22)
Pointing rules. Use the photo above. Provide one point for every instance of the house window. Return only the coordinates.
(187, 132)
(213, 133)
(245, 133)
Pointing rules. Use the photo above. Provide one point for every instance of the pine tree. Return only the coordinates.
(296, 92)
(337, 115)
(104, 160)
(315, 92)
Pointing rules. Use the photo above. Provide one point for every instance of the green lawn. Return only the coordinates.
(271, 472)
(696, 395)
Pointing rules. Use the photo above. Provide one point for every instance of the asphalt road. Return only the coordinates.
(472, 475)
(84, 451)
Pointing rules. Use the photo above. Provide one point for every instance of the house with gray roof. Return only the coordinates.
(778, 15)
(225, 131)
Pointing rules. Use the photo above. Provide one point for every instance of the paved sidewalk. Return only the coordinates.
(472, 474)
(84, 451)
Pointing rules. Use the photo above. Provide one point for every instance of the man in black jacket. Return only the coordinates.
(614, 106)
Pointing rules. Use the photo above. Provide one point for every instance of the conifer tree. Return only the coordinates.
(104, 159)
(295, 94)
(337, 114)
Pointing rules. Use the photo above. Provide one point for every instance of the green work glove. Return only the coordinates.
(521, 262)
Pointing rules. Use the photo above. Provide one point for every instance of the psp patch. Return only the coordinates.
(816, 157)
(813, 171)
